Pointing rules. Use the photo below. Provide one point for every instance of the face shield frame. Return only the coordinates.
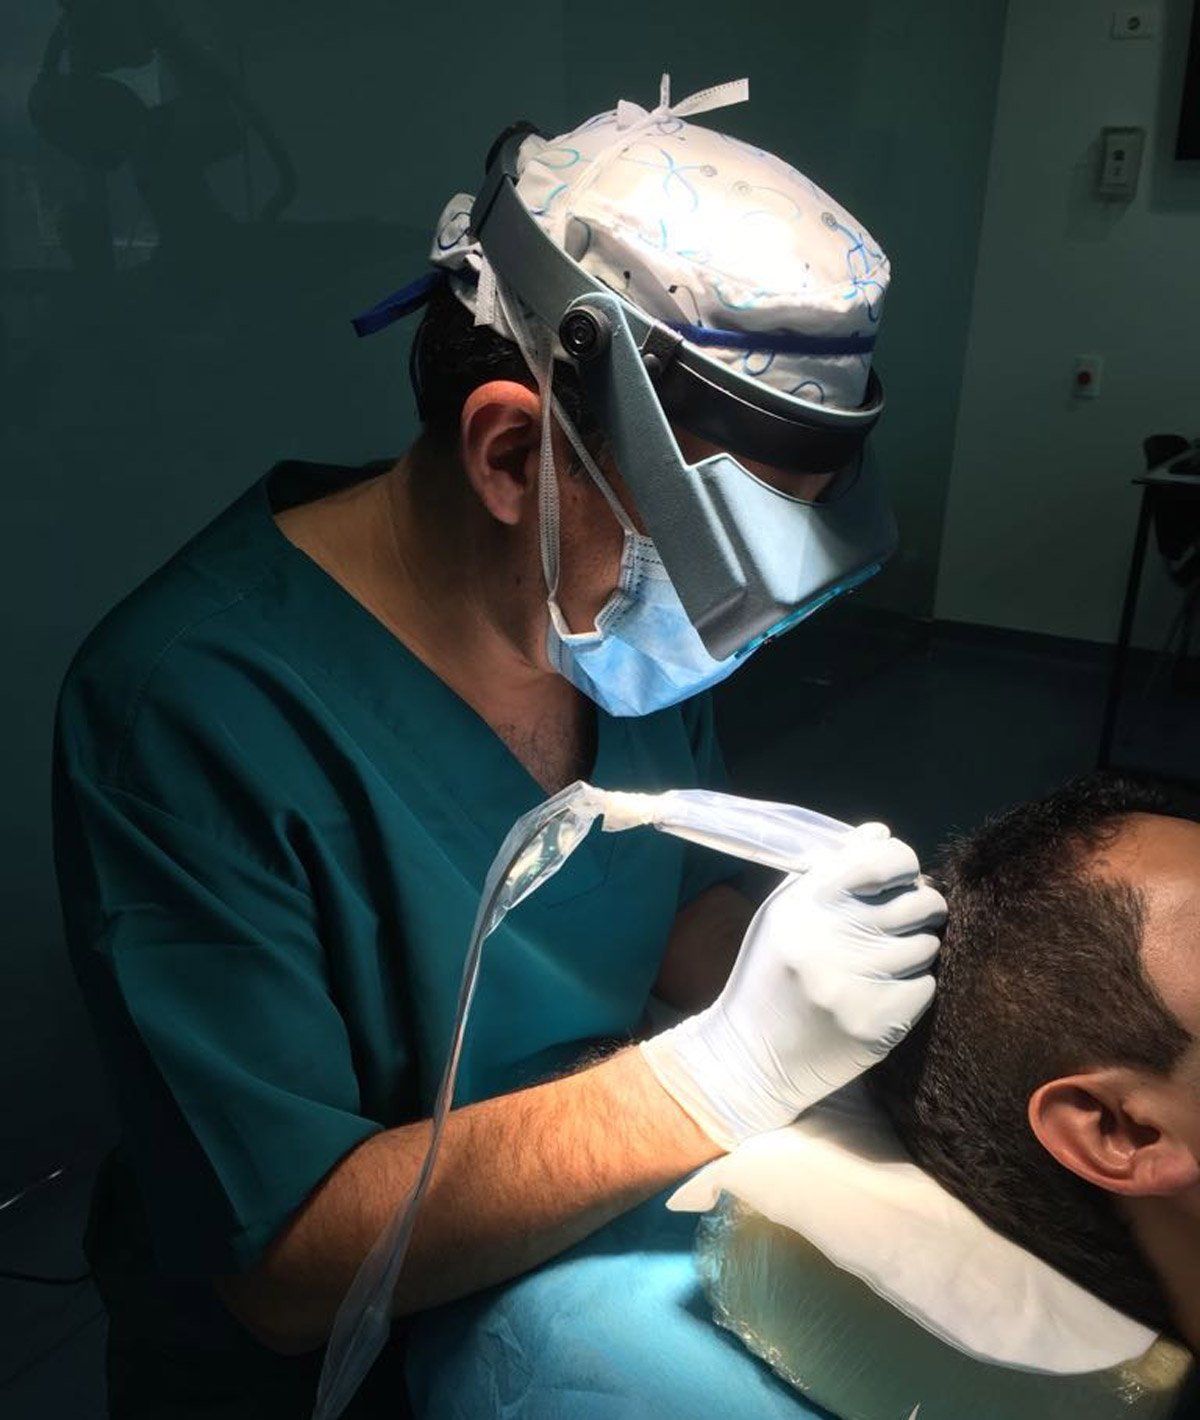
(747, 559)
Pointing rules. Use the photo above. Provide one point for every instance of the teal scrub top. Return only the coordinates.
(272, 827)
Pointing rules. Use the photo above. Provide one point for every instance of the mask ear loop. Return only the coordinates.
(539, 356)
(538, 351)
(593, 468)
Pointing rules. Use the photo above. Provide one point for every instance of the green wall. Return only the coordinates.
(151, 367)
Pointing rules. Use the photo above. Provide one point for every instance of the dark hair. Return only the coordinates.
(451, 356)
(1040, 975)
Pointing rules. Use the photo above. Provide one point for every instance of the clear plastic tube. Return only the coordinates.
(780, 836)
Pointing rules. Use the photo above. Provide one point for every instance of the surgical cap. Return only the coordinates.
(703, 232)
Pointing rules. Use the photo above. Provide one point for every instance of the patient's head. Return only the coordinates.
(1054, 1085)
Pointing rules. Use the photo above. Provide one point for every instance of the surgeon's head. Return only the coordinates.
(1054, 1085)
(481, 423)
(743, 258)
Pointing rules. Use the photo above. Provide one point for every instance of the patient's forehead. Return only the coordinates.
(1161, 857)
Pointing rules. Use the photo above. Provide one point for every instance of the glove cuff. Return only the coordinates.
(704, 1068)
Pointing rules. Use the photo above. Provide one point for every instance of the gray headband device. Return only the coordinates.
(747, 559)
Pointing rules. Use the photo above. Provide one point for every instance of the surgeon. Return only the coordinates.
(284, 763)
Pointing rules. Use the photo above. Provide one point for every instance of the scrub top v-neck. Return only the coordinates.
(273, 822)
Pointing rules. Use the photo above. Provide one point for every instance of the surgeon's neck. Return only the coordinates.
(457, 583)
(1168, 1232)
(463, 592)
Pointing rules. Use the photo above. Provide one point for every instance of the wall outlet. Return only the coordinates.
(1120, 162)
(1135, 22)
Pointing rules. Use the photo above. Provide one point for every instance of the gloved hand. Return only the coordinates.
(832, 973)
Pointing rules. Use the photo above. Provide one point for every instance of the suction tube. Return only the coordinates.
(780, 836)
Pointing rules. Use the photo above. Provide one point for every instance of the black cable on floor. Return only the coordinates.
(7, 1276)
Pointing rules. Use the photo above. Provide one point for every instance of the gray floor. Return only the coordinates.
(863, 718)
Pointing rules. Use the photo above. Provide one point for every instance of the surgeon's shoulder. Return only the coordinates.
(183, 645)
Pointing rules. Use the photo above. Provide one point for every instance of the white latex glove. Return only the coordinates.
(832, 973)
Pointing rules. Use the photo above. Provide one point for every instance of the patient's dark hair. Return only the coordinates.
(1040, 976)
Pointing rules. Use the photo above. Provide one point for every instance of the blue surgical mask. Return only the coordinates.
(644, 653)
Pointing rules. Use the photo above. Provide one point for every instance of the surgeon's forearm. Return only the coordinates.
(519, 1179)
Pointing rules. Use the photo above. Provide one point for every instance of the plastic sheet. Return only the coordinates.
(778, 836)
(841, 1178)
(843, 1346)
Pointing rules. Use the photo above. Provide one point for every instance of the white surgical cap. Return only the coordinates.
(696, 229)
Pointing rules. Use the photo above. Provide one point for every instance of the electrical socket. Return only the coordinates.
(1135, 22)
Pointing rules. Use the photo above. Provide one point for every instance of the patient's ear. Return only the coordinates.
(1114, 1129)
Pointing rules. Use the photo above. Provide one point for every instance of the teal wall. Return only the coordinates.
(151, 367)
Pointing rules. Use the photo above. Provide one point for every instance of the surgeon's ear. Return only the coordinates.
(1114, 1128)
(500, 433)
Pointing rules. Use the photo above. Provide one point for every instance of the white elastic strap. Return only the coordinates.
(485, 293)
(548, 501)
(593, 468)
(539, 356)
(733, 91)
(538, 351)
(540, 359)
(633, 120)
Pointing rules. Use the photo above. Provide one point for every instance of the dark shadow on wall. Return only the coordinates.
(1174, 183)
(173, 318)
